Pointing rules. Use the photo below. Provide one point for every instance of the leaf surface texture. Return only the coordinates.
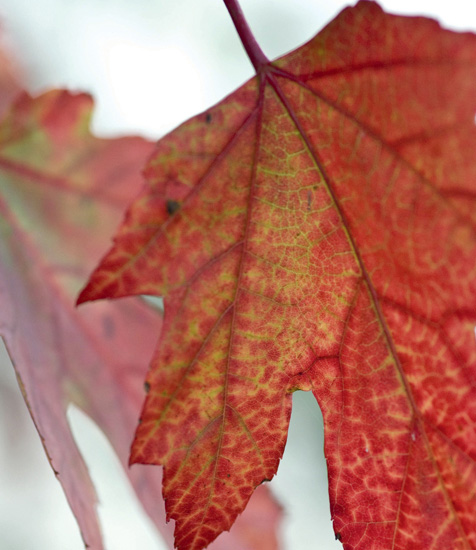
(316, 231)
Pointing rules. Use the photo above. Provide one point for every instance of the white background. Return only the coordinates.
(150, 65)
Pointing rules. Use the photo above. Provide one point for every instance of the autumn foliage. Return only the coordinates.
(313, 231)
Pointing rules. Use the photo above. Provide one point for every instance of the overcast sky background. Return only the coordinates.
(150, 64)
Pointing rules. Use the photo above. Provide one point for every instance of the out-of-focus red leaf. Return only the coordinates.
(10, 79)
(61, 194)
(257, 528)
(316, 231)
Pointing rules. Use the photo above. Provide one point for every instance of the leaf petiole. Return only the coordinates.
(253, 50)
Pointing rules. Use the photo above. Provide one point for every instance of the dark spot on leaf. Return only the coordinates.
(108, 327)
(146, 387)
(172, 206)
(208, 118)
(228, 475)
(338, 536)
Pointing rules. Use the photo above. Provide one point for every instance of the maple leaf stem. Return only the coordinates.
(255, 53)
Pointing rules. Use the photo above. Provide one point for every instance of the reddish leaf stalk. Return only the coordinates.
(253, 50)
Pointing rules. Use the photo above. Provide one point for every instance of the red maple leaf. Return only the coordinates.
(316, 231)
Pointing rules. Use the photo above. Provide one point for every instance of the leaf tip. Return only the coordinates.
(88, 294)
